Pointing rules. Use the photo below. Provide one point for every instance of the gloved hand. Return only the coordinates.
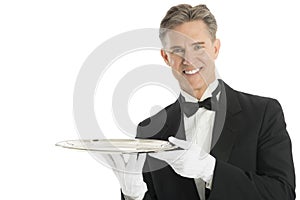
(191, 162)
(129, 173)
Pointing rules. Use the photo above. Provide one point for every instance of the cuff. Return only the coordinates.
(137, 192)
(209, 169)
(133, 198)
(208, 184)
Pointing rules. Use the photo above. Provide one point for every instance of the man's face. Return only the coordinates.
(191, 53)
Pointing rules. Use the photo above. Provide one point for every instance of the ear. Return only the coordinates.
(165, 56)
(217, 45)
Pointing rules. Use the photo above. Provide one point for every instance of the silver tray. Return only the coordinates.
(118, 145)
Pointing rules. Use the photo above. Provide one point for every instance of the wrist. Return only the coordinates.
(135, 191)
(208, 169)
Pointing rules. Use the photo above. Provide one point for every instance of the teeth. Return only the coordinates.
(194, 71)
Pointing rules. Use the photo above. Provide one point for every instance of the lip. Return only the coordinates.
(192, 71)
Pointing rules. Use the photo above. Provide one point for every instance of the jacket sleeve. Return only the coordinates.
(274, 178)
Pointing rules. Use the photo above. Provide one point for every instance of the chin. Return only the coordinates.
(198, 85)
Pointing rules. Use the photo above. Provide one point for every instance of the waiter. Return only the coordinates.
(231, 145)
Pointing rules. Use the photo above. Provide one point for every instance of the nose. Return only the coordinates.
(187, 58)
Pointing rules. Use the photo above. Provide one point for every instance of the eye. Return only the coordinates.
(178, 51)
(197, 47)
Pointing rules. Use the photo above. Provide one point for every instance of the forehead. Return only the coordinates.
(188, 32)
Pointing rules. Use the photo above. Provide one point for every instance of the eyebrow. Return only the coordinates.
(195, 43)
(175, 47)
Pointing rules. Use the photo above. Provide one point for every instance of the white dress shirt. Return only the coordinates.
(199, 127)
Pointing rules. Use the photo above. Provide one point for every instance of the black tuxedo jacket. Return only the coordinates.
(250, 143)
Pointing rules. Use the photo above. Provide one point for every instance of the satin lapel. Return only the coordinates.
(226, 125)
(175, 122)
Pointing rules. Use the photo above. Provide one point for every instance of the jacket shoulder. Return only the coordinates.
(255, 101)
(153, 126)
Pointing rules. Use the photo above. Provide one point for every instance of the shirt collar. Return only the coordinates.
(208, 92)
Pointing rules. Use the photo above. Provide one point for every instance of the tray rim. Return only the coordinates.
(149, 150)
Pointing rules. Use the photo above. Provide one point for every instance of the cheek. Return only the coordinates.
(210, 50)
(210, 53)
(172, 62)
(175, 64)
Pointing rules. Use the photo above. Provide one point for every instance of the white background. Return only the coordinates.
(44, 43)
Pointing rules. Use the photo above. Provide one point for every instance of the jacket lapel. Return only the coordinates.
(226, 125)
(175, 123)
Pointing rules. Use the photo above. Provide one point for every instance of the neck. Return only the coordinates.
(199, 92)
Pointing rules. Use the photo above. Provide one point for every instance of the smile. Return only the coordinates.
(191, 72)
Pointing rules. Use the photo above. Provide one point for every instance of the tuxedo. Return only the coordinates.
(249, 141)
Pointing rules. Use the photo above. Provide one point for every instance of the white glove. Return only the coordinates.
(129, 173)
(191, 162)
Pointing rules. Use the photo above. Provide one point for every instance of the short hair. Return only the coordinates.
(182, 13)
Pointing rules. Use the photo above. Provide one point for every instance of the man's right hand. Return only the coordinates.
(128, 169)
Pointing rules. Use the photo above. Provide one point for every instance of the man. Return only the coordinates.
(232, 146)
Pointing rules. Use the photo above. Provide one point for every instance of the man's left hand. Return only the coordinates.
(191, 161)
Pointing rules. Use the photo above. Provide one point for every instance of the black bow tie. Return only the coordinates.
(211, 103)
(190, 108)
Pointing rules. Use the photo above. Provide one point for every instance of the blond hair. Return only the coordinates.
(182, 13)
